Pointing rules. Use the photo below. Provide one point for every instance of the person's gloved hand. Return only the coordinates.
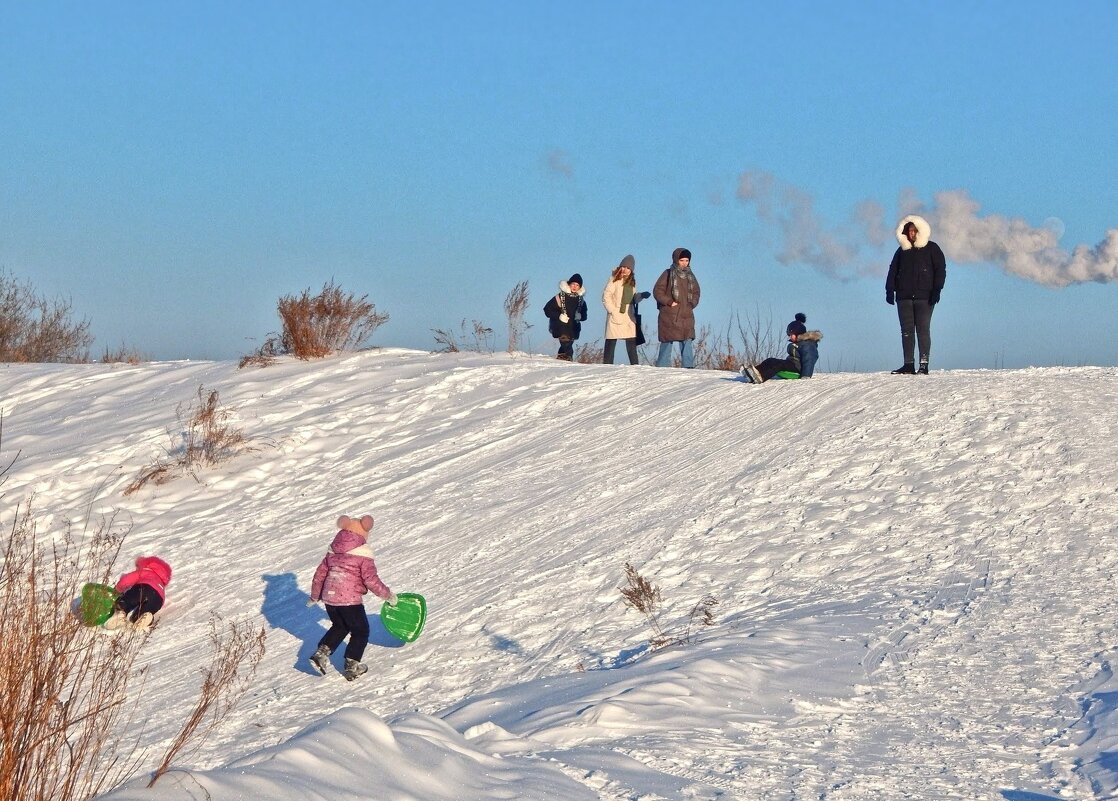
(392, 600)
(563, 318)
(312, 602)
(889, 296)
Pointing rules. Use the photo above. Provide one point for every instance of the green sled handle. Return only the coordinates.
(97, 603)
(405, 620)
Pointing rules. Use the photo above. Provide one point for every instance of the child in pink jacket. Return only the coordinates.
(342, 578)
(142, 593)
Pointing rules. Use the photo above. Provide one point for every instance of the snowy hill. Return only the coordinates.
(915, 576)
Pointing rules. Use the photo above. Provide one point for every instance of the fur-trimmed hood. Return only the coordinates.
(565, 288)
(346, 541)
(810, 336)
(923, 232)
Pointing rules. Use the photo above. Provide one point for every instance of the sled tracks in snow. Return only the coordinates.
(950, 602)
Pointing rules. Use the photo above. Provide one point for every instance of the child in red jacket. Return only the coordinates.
(142, 594)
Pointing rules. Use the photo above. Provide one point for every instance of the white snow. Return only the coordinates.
(915, 575)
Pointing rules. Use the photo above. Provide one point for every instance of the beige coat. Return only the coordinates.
(619, 324)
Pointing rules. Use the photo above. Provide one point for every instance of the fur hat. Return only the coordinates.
(362, 525)
(629, 262)
(797, 326)
(575, 279)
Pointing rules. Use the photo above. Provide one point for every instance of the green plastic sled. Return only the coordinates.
(405, 620)
(97, 603)
(788, 374)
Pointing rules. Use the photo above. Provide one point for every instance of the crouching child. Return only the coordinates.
(143, 592)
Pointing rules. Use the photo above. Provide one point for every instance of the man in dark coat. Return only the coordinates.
(916, 277)
(565, 313)
(677, 294)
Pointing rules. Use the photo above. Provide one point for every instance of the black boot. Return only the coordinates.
(905, 369)
(923, 369)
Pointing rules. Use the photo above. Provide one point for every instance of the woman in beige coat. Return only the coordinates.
(620, 298)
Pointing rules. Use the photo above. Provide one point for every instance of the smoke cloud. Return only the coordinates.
(1016, 246)
(859, 246)
(804, 238)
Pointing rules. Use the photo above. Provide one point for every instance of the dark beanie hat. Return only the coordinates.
(797, 326)
(575, 279)
(629, 262)
(684, 253)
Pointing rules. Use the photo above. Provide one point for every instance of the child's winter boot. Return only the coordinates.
(321, 659)
(143, 622)
(353, 669)
(117, 620)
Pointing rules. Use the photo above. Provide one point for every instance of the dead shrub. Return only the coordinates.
(263, 356)
(67, 728)
(516, 304)
(314, 326)
(206, 439)
(238, 648)
(645, 597)
(123, 355)
(590, 353)
(33, 329)
(476, 337)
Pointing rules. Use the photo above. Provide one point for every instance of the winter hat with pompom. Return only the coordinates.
(362, 525)
(797, 326)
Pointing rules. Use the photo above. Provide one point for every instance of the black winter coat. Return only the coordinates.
(917, 273)
(572, 305)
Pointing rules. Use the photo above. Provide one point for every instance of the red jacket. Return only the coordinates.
(150, 570)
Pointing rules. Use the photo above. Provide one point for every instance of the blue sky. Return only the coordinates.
(174, 169)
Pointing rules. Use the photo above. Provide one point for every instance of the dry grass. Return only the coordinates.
(238, 648)
(476, 337)
(642, 595)
(590, 352)
(67, 728)
(516, 304)
(123, 355)
(33, 329)
(318, 325)
(206, 439)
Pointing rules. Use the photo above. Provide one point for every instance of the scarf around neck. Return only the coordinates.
(676, 274)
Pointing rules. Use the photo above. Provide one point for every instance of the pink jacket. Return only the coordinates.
(347, 573)
(150, 570)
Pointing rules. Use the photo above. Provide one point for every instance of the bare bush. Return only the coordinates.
(758, 336)
(642, 595)
(476, 337)
(590, 353)
(65, 686)
(34, 329)
(317, 325)
(206, 439)
(516, 304)
(238, 648)
(263, 356)
(123, 355)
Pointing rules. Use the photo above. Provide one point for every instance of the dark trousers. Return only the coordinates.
(137, 599)
(630, 348)
(771, 366)
(351, 621)
(916, 324)
(566, 349)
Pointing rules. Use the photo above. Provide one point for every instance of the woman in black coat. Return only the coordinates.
(916, 277)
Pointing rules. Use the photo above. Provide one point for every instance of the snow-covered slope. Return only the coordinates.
(915, 575)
